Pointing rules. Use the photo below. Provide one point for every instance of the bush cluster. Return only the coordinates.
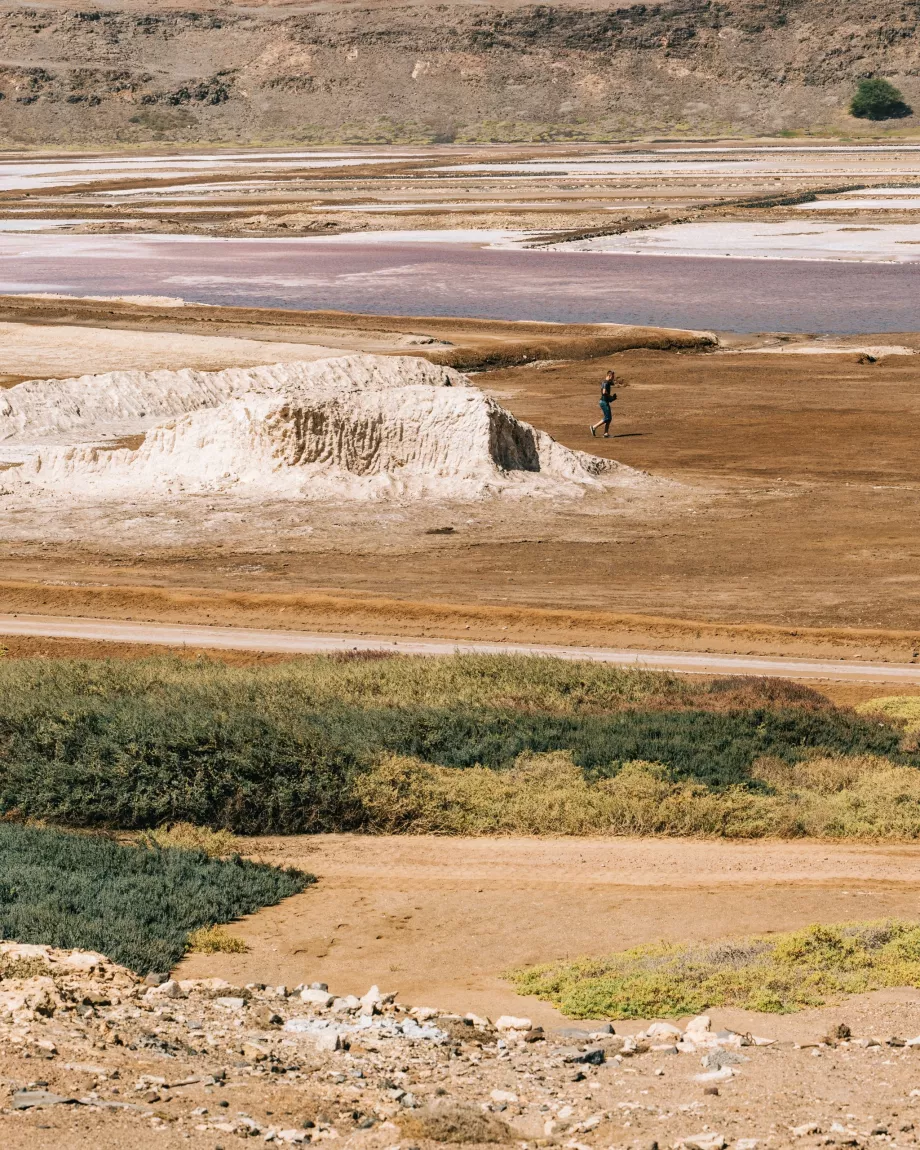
(137, 905)
(777, 972)
(309, 746)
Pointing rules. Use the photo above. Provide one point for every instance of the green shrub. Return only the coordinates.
(294, 748)
(137, 905)
(878, 100)
(777, 972)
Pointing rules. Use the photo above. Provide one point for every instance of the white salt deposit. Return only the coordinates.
(355, 427)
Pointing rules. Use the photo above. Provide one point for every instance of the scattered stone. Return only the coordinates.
(320, 998)
(662, 1030)
(720, 1057)
(706, 1141)
(721, 1075)
(168, 989)
(503, 1096)
(35, 1099)
(805, 1129)
(698, 1026)
(230, 1002)
(509, 1022)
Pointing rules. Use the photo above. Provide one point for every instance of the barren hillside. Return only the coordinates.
(105, 74)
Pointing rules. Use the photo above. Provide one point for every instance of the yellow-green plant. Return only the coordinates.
(215, 940)
(188, 837)
(778, 973)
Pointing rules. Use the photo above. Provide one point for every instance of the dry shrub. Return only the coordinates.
(779, 972)
(188, 837)
(454, 1122)
(904, 709)
(843, 797)
(541, 794)
(215, 940)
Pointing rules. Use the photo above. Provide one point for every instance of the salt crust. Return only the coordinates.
(352, 427)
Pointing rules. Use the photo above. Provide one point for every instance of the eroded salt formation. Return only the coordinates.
(351, 427)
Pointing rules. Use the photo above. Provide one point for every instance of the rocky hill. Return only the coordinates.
(444, 72)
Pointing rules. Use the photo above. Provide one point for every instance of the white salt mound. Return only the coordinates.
(346, 428)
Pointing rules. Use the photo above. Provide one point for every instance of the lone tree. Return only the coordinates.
(878, 100)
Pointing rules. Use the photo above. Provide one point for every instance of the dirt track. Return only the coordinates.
(441, 919)
(299, 642)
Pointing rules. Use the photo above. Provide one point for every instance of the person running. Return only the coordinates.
(608, 395)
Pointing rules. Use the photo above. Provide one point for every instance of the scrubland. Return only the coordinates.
(457, 745)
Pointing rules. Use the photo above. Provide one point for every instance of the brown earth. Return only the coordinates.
(796, 533)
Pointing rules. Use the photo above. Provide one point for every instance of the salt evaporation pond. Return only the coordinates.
(466, 279)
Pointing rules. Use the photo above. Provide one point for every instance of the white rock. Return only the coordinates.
(722, 1075)
(663, 1030)
(327, 1040)
(702, 1024)
(424, 1013)
(746, 1144)
(291, 1136)
(170, 989)
(707, 1141)
(509, 1022)
(230, 1003)
(503, 1096)
(316, 997)
(82, 960)
(805, 1129)
(371, 1001)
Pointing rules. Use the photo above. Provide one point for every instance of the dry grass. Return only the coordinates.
(905, 708)
(456, 1123)
(778, 972)
(188, 837)
(844, 797)
(215, 940)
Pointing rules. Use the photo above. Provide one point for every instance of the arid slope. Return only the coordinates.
(414, 71)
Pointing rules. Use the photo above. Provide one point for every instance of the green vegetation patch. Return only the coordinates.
(137, 905)
(779, 973)
(309, 746)
(878, 99)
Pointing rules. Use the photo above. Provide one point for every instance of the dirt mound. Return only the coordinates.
(352, 427)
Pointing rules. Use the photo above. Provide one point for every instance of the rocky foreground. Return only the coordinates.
(92, 1055)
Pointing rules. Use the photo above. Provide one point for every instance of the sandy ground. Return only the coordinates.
(816, 451)
(442, 919)
(29, 352)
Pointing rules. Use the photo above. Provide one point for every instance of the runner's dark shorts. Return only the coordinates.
(605, 409)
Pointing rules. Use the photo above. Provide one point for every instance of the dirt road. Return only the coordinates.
(441, 919)
(299, 642)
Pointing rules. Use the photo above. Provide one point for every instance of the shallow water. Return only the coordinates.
(457, 279)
